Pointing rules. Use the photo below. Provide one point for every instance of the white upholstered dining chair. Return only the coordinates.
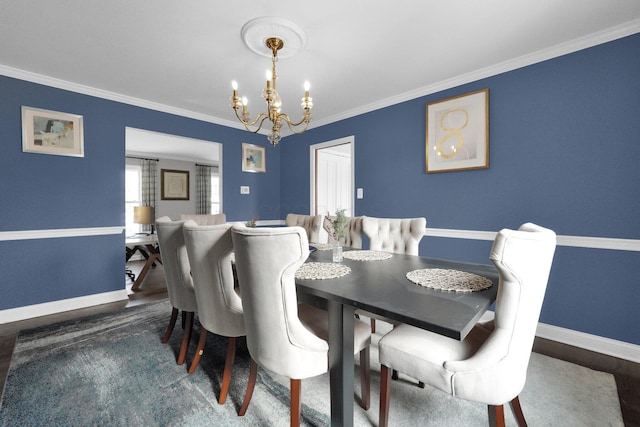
(179, 284)
(283, 336)
(219, 306)
(205, 219)
(490, 365)
(397, 235)
(312, 224)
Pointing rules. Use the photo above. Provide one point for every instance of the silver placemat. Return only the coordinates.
(449, 280)
(366, 255)
(321, 270)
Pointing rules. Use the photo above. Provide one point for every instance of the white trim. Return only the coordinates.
(57, 233)
(53, 307)
(575, 241)
(312, 168)
(113, 96)
(598, 344)
(591, 40)
(632, 245)
(615, 348)
(270, 222)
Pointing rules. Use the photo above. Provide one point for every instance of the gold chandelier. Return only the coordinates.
(274, 103)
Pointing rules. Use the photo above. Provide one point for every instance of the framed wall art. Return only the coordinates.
(52, 132)
(174, 184)
(253, 158)
(458, 133)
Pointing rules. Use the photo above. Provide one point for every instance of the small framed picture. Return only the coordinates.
(174, 184)
(253, 159)
(458, 133)
(52, 132)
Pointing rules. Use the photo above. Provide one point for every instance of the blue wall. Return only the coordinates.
(42, 192)
(564, 153)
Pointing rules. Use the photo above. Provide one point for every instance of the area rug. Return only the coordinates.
(113, 370)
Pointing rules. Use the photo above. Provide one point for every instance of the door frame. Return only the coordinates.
(313, 163)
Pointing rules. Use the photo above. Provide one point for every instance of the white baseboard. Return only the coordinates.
(608, 346)
(53, 307)
(615, 348)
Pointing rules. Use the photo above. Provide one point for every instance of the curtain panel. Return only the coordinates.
(203, 189)
(149, 174)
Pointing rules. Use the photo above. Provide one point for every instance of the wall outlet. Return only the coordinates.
(360, 193)
(244, 189)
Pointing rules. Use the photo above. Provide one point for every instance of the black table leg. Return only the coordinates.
(341, 376)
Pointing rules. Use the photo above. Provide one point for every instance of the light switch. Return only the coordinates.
(244, 189)
(360, 193)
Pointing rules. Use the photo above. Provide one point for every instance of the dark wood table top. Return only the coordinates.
(381, 287)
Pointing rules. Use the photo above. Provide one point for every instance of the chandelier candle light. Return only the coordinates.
(274, 103)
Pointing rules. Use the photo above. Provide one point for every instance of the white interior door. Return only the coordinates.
(332, 177)
(333, 180)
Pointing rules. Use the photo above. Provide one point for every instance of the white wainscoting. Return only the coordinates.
(53, 307)
(595, 343)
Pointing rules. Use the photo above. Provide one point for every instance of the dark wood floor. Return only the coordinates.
(627, 374)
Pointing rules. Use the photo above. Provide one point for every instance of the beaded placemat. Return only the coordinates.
(321, 270)
(322, 246)
(367, 255)
(449, 280)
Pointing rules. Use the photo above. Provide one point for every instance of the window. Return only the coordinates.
(133, 196)
(215, 191)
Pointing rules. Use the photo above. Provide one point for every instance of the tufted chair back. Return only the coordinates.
(176, 264)
(266, 263)
(497, 371)
(401, 236)
(490, 365)
(212, 219)
(353, 237)
(312, 224)
(179, 284)
(219, 306)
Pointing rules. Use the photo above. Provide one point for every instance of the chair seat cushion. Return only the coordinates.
(422, 355)
(317, 321)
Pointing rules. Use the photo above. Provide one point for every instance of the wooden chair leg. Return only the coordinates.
(385, 395)
(365, 378)
(517, 412)
(373, 326)
(183, 319)
(228, 366)
(172, 324)
(186, 338)
(496, 415)
(199, 350)
(296, 391)
(253, 373)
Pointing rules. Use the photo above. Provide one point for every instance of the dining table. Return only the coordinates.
(379, 285)
(147, 245)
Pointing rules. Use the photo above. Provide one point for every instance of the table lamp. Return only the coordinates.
(143, 215)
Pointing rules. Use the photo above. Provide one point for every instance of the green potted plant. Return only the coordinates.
(337, 230)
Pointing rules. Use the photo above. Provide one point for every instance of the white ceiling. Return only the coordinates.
(360, 55)
(144, 143)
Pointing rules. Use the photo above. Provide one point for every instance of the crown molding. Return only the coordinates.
(614, 33)
(575, 45)
(112, 96)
